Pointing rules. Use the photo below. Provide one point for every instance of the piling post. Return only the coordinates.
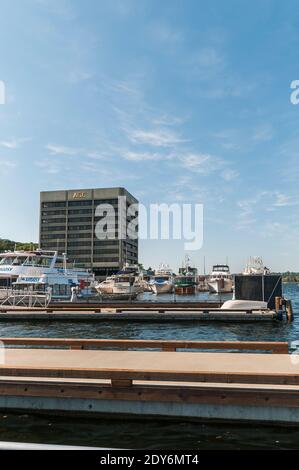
(289, 310)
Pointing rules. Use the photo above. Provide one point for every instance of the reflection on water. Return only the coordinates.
(154, 433)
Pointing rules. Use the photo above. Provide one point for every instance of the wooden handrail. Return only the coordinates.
(164, 345)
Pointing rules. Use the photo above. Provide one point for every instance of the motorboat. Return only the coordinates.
(106, 286)
(39, 270)
(185, 283)
(255, 265)
(220, 280)
(127, 282)
(163, 281)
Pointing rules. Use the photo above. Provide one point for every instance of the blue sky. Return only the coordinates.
(178, 101)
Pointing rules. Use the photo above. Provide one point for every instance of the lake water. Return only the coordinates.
(153, 433)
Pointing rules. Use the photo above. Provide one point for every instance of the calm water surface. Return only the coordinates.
(152, 434)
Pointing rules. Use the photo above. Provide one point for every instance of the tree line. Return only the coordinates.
(10, 245)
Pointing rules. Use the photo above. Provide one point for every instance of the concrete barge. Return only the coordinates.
(41, 375)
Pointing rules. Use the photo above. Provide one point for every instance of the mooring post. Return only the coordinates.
(278, 303)
(289, 310)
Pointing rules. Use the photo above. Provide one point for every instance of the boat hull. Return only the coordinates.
(104, 289)
(126, 290)
(220, 286)
(162, 288)
(185, 290)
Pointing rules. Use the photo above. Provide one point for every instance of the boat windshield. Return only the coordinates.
(128, 279)
(12, 260)
(161, 278)
(38, 261)
(221, 269)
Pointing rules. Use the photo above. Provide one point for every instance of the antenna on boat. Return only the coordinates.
(64, 262)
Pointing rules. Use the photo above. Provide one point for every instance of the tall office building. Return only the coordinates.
(80, 223)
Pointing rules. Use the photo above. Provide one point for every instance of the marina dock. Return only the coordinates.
(257, 382)
(140, 315)
(141, 312)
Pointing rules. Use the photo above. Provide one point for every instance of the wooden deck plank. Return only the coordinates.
(152, 360)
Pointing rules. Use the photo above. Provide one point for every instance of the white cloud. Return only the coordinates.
(48, 166)
(62, 150)
(155, 138)
(229, 174)
(6, 166)
(9, 144)
(96, 155)
(79, 76)
(203, 163)
(142, 156)
(13, 143)
(263, 133)
(164, 33)
(264, 202)
(208, 57)
(62, 8)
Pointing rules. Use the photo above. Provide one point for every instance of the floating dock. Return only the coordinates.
(141, 312)
(132, 378)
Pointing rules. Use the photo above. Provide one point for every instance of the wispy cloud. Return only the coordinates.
(13, 143)
(49, 166)
(162, 32)
(155, 138)
(62, 8)
(263, 203)
(263, 133)
(205, 64)
(202, 162)
(229, 174)
(208, 58)
(6, 166)
(78, 76)
(142, 156)
(9, 144)
(62, 150)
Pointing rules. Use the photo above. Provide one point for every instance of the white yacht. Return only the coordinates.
(41, 270)
(106, 287)
(255, 265)
(163, 281)
(126, 284)
(128, 281)
(220, 280)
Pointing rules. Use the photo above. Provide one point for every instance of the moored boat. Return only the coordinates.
(162, 282)
(106, 286)
(126, 283)
(185, 283)
(220, 280)
(255, 265)
(41, 271)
